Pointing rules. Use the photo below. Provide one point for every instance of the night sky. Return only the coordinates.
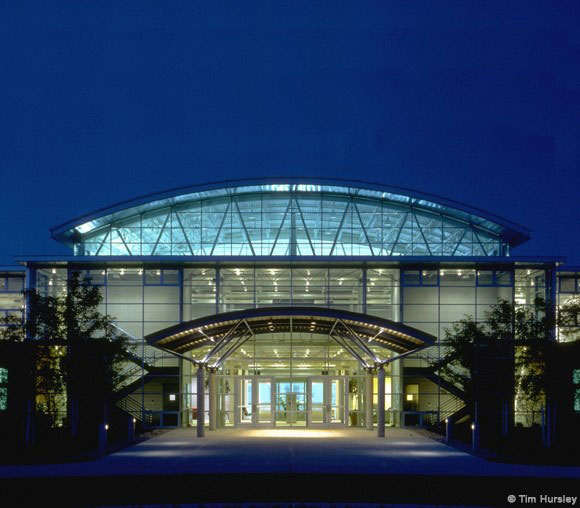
(102, 101)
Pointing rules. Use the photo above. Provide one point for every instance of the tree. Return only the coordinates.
(501, 359)
(569, 319)
(79, 351)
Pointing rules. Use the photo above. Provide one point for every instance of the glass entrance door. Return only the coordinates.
(318, 403)
(327, 402)
(337, 387)
(291, 402)
(254, 396)
(264, 414)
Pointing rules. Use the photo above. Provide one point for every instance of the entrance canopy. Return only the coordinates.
(364, 337)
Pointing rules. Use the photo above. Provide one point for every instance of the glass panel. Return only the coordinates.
(411, 277)
(318, 403)
(336, 401)
(457, 277)
(485, 277)
(264, 401)
(429, 277)
(503, 278)
(567, 284)
(291, 403)
(152, 276)
(245, 408)
(15, 284)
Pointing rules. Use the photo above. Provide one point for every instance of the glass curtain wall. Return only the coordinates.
(434, 299)
(147, 299)
(144, 300)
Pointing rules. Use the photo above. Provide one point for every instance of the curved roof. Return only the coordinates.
(508, 232)
(356, 332)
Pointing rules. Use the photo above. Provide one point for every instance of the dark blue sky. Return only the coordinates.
(101, 101)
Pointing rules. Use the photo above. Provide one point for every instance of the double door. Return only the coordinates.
(317, 401)
(327, 397)
(253, 400)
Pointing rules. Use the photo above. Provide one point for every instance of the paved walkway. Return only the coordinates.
(281, 466)
(300, 451)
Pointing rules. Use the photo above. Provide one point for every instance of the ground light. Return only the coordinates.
(474, 437)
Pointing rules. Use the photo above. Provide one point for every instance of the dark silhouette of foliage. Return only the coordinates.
(79, 352)
(505, 354)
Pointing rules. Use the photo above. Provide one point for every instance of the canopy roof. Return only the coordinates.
(259, 217)
(357, 333)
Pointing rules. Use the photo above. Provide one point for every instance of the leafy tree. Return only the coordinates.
(507, 353)
(79, 352)
(569, 319)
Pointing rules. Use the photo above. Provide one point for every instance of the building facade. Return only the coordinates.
(293, 302)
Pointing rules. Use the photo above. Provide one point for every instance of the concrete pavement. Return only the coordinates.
(265, 462)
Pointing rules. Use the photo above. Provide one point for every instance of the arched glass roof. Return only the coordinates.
(290, 217)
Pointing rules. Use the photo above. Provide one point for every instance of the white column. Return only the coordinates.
(381, 402)
(200, 402)
(213, 400)
(369, 399)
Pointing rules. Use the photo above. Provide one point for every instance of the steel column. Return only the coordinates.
(213, 400)
(200, 402)
(381, 402)
(369, 399)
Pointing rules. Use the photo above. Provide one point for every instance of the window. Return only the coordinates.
(11, 284)
(163, 277)
(495, 278)
(421, 278)
(568, 285)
